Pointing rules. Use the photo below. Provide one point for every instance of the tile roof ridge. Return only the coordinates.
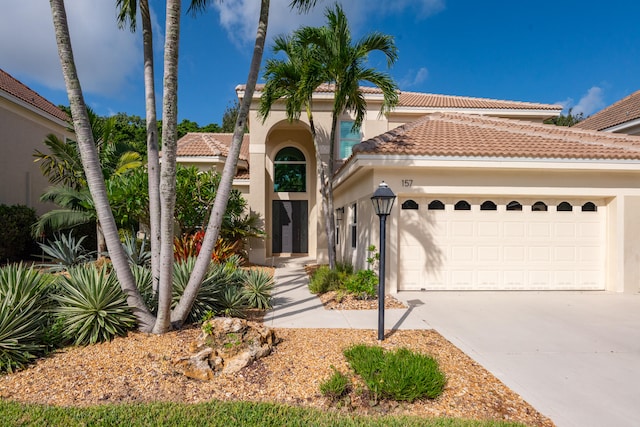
(213, 144)
(565, 133)
(476, 98)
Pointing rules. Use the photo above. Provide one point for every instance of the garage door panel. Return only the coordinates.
(448, 249)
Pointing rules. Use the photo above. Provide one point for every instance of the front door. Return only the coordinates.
(290, 226)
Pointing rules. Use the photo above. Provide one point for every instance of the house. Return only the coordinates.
(620, 117)
(488, 197)
(26, 118)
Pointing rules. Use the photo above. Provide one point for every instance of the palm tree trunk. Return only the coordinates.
(168, 168)
(153, 162)
(181, 311)
(91, 165)
(331, 227)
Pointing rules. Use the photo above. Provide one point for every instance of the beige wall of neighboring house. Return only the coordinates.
(25, 121)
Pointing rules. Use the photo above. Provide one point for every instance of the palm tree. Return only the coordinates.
(127, 13)
(91, 166)
(328, 54)
(62, 165)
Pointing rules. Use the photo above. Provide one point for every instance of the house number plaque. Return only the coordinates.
(407, 182)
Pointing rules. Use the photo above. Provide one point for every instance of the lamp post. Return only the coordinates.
(382, 200)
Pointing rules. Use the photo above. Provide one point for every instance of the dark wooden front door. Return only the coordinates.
(290, 226)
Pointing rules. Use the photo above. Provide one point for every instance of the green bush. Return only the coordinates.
(220, 292)
(336, 386)
(399, 375)
(64, 252)
(324, 280)
(16, 240)
(362, 284)
(23, 317)
(92, 306)
(257, 288)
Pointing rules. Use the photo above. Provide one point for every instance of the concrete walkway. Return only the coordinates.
(575, 356)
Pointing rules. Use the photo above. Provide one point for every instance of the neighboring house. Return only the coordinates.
(209, 151)
(621, 117)
(488, 197)
(26, 119)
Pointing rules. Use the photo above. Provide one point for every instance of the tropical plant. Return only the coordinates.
(92, 306)
(163, 211)
(324, 279)
(257, 288)
(15, 234)
(363, 284)
(136, 250)
(23, 315)
(317, 55)
(64, 252)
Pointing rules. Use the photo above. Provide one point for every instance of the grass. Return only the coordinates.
(213, 413)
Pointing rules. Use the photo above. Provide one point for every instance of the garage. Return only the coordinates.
(505, 243)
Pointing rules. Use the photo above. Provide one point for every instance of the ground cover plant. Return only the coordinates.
(399, 374)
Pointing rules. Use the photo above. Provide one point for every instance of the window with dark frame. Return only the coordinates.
(354, 226)
(462, 205)
(410, 204)
(436, 205)
(290, 171)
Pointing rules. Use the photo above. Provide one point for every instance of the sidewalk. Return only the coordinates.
(295, 307)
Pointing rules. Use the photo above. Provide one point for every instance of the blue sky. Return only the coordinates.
(581, 54)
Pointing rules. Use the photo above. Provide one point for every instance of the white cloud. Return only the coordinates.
(240, 17)
(414, 78)
(591, 102)
(106, 57)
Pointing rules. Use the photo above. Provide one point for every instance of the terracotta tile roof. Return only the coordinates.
(243, 174)
(465, 135)
(196, 144)
(625, 110)
(429, 100)
(14, 87)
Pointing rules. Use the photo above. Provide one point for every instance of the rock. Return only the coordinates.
(226, 345)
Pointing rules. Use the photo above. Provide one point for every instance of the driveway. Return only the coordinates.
(575, 356)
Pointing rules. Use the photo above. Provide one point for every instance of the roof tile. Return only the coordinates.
(210, 144)
(625, 110)
(14, 87)
(465, 135)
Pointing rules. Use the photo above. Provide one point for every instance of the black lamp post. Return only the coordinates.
(382, 200)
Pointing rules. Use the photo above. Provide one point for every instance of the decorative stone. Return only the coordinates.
(226, 345)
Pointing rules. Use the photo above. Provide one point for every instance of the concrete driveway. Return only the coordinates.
(575, 356)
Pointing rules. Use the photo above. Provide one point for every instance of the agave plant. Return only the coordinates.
(210, 296)
(92, 305)
(137, 255)
(232, 302)
(64, 252)
(144, 281)
(257, 288)
(22, 316)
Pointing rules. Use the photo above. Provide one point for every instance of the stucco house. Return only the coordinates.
(26, 118)
(488, 197)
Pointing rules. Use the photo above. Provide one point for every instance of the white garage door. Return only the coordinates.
(483, 244)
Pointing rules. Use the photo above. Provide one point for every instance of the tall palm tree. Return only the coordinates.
(224, 190)
(127, 13)
(91, 166)
(331, 56)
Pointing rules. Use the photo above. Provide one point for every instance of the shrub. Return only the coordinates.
(136, 250)
(16, 240)
(363, 284)
(189, 245)
(324, 280)
(65, 252)
(336, 386)
(257, 288)
(23, 318)
(213, 294)
(92, 306)
(399, 375)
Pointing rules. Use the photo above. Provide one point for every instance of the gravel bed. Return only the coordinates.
(139, 368)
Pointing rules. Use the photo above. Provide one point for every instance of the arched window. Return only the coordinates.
(539, 207)
(436, 205)
(488, 206)
(589, 207)
(410, 204)
(564, 207)
(514, 206)
(290, 171)
(462, 205)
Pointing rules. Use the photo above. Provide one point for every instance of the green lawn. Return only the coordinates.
(208, 414)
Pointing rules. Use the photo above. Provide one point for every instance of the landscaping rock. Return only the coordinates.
(226, 345)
